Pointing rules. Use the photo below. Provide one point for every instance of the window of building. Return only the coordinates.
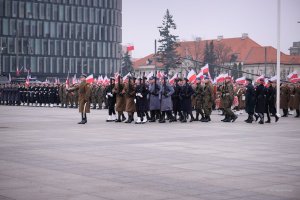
(27, 28)
(52, 47)
(89, 48)
(25, 46)
(20, 30)
(97, 13)
(77, 48)
(57, 48)
(59, 30)
(7, 8)
(11, 45)
(5, 27)
(79, 14)
(30, 46)
(38, 46)
(61, 14)
(47, 64)
(32, 64)
(40, 65)
(67, 13)
(52, 29)
(12, 27)
(72, 30)
(48, 11)
(15, 9)
(42, 11)
(94, 49)
(73, 14)
(82, 48)
(33, 28)
(92, 15)
(29, 10)
(60, 65)
(71, 48)
(1, 8)
(78, 31)
(45, 47)
(72, 65)
(54, 12)
(84, 31)
(66, 30)
(46, 30)
(54, 65)
(96, 32)
(40, 29)
(90, 32)
(35, 11)
(85, 14)
(65, 48)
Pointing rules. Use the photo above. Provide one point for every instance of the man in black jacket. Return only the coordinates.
(249, 100)
(270, 102)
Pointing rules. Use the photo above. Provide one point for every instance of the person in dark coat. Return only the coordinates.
(249, 100)
(176, 99)
(141, 105)
(166, 101)
(284, 99)
(260, 98)
(111, 100)
(154, 101)
(270, 102)
(186, 101)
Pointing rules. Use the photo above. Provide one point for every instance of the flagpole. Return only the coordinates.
(278, 59)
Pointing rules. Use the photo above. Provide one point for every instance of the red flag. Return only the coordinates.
(90, 79)
(205, 69)
(192, 76)
(241, 80)
(172, 80)
(130, 48)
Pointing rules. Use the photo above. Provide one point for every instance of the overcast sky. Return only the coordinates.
(210, 18)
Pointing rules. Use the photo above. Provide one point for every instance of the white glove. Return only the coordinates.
(106, 96)
(109, 94)
(140, 95)
(134, 100)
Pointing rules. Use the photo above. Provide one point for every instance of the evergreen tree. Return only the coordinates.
(210, 57)
(126, 64)
(167, 50)
(234, 72)
(240, 70)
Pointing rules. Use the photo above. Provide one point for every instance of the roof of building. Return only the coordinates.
(247, 51)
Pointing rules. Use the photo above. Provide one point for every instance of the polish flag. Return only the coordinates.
(149, 75)
(260, 77)
(106, 80)
(292, 75)
(130, 48)
(90, 78)
(27, 83)
(221, 78)
(200, 75)
(295, 80)
(100, 79)
(74, 80)
(241, 80)
(172, 80)
(205, 69)
(67, 83)
(192, 76)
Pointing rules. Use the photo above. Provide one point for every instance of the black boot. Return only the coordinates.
(247, 120)
(197, 116)
(226, 117)
(250, 119)
(261, 119)
(119, 118)
(130, 119)
(285, 113)
(256, 117)
(162, 118)
(192, 118)
(152, 113)
(123, 117)
(184, 118)
(83, 119)
(269, 118)
(205, 119)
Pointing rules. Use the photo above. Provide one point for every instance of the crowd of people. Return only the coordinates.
(155, 99)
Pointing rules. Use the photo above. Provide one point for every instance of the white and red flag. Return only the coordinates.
(90, 78)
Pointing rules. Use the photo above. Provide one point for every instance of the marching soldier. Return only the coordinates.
(284, 99)
(208, 99)
(260, 98)
(111, 100)
(120, 99)
(141, 105)
(166, 101)
(84, 92)
(154, 101)
(186, 102)
(270, 102)
(249, 100)
(129, 91)
(99, 94)
(227, 100)
(94, 95)
(176, 99)
(199, 100)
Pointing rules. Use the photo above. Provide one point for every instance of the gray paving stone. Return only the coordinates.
(45, 154)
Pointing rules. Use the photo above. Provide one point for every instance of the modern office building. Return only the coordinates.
(54, 37)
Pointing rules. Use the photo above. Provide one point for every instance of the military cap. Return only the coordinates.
(83, 76)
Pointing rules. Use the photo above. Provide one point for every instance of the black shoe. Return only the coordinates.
(234, 118)
(256, 117)
(276, 118)
(162, 121)
(82, 122)
(128, 121)
(205, 119)
(268, 121)
(118, 120)
(208, 118)
(261, 122)
(227, 120)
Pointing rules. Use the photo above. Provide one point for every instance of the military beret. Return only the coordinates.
(249, 79)
(83, 76)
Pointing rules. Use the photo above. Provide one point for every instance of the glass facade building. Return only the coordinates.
(54, 37)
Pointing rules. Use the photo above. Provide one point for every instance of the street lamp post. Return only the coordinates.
(278, 59)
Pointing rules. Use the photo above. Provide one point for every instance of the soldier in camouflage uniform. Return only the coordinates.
(227, 95)
(99, 94)
(199, 100)
(208, 99)
(94, 95)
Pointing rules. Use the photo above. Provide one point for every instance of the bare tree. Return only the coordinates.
(223, 54)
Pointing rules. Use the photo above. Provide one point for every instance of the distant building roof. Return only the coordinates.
(246, 50)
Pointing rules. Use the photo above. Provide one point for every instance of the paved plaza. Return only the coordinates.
(46, 155)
